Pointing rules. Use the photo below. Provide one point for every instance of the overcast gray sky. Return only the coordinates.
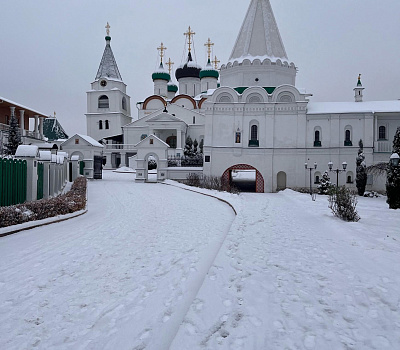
(51, 49)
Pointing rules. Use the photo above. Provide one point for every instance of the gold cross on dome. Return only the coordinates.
(108, 29)
(216, 61)
(189, 34)
(162, 49)
(170, 64)
(209, 44)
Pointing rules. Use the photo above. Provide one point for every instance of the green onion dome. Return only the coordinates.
(209, 72)
(172, 87)
(161, 74)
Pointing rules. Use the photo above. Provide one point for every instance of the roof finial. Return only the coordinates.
(189, 34)
(108, 29)
(359, 80)
(162, 49)
(55, 114)
(216, 61)
(209, 44)
(170, 64)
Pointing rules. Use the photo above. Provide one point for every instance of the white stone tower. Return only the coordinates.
(358, 90)
(188, 74)
(108, 105)
(259, 57)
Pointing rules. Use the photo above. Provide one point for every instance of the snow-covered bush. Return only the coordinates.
(343, 202)
(193, 179)
(371, 194)
(325, 184)
(361, 170)
(70, 202)
(151, 163)
(393, 177)
(209, 183)
(14, 136)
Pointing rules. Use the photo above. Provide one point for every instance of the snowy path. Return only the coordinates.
(120, 277)
(291, 276)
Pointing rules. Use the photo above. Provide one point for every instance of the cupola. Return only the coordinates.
(160, 76)
(188, 74)
(209, 76)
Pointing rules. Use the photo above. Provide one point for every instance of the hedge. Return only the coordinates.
(70, 202)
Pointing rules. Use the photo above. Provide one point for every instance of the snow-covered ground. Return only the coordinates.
(154, 267)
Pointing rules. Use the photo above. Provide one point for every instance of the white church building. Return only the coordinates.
(247, 115)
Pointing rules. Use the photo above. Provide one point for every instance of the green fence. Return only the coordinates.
(40, 170)
(12, 181)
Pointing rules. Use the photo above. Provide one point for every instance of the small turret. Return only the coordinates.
(160, 76)
(358, 91)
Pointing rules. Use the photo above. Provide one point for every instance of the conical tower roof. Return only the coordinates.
(108, 66)
(259, 35)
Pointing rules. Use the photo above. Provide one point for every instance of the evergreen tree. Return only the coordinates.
(393, 177)
(201, 146)
(361, 170)
(14, 136)
(188, 152)
(325, 184)
(195, 144)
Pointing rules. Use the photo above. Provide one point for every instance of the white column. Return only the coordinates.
(36, 129)
(41, 127)
(22, 122)
(178, 139)
(376, 127)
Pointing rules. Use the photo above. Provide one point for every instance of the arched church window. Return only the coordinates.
(100, 124)
(225, 99)
(254, 132)
(104, 102)
(107, 124)
(124, 103)
(253, 142)
(382, 133)
(317, 138)
(347, 138)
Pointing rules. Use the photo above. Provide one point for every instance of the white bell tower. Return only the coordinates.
(108, 105)
(358, 91)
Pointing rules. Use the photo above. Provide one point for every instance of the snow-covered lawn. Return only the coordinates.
(154, 267)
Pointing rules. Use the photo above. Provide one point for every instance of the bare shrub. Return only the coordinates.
(343, 202)
(70, 202)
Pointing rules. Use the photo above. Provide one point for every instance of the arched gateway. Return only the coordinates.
(227, 177)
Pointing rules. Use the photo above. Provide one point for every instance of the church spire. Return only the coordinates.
(259, 35)
(108, 66)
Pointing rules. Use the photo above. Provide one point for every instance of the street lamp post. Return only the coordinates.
(394, 159)
(311, 168)
(337, 171)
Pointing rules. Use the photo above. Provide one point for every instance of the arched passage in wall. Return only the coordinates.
(228, 179)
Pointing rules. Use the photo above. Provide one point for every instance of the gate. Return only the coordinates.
(40, 170)
(98, 165)
(12, 181)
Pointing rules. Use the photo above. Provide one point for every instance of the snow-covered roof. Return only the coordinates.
(108, 66)
(45, 155)
(259, 35)
(22, 107)
(353, 107)
(91, 140)
(30, 151)
(75, 157)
